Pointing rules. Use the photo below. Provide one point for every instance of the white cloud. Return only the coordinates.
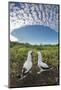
(12, 38)
(36, 14)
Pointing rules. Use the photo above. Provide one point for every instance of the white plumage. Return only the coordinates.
(42, 66)
(27, 65)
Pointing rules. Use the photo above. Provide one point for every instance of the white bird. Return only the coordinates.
(42, 66)
(27, 65)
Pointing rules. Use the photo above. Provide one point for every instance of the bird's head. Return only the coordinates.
(30, 53)
(38, 52)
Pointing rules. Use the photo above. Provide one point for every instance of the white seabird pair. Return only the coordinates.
(28, 64)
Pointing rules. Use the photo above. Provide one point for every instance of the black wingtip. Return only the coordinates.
(18, 76)
(48, 68)
(45, 67)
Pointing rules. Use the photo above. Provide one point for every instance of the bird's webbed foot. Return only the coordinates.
(38, 72)
(30, 72)
(41, 70)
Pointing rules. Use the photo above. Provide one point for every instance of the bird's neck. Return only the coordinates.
(40, 58)
(29, 58)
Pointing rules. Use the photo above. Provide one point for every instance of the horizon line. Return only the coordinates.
(35, 43)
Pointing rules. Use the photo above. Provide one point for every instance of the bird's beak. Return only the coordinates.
(32, 54)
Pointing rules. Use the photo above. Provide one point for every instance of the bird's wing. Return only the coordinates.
(44, 66)
(24, 70)
(27, 67)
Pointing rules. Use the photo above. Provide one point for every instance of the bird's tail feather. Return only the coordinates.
(22, 77)
(51, 68)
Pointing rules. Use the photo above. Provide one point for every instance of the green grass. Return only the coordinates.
(18, 55)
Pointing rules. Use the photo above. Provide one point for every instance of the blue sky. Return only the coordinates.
(36, 34)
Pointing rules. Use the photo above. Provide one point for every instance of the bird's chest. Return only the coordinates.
(39, 62)
(28, 64)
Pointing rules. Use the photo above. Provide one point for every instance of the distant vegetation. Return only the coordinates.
(18, 55)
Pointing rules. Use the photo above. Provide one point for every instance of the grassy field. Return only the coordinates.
(18, 55)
